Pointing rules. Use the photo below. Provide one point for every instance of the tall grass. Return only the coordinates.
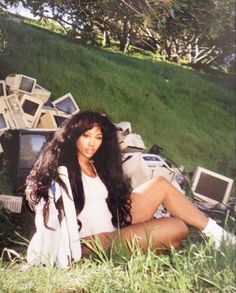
(192, 118)
(198, 268)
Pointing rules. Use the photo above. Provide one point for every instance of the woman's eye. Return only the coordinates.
(85, 136)
(99, 138)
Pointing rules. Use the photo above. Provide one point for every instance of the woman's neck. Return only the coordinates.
(84, 162)
(86, 166)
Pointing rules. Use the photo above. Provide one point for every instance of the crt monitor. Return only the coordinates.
(67, 104)
(21, 148)
(20, 82)
(41, 93)
(31, 107)
(211, 187)
(51, 118)
(26, 84)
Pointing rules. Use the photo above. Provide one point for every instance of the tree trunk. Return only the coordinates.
(106, 41)
(125, 38)
(168, 49)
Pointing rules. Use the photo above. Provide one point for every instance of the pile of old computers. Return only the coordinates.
(28, 118)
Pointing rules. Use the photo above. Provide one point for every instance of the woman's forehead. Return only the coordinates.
(95, 129)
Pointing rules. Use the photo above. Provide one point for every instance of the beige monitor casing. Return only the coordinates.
(13, 111)
(13, 81)
(41, 93)
(30, 119)
(209, 198)
(68, 95)
(46, 119)
(3, 86)
(135, 168)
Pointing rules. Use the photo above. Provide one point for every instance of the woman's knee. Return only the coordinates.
(168, 232)
(175, 231)
(162, 183)
(160, 179)
(181, 229)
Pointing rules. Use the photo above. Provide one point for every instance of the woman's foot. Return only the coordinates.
(218, 234)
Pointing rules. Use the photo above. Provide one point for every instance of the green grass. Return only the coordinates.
(196, 268)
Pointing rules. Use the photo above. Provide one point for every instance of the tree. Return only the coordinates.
(123, 19)
(3, 41)
(195, 31)
(200, 32)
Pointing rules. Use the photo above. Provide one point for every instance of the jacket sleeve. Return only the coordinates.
(44, 246)
(58, 243)
(70, 215)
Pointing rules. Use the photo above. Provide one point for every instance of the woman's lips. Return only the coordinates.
(90, 151)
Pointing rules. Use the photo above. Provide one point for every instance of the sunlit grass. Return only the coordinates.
(124, 267)
(194, 268)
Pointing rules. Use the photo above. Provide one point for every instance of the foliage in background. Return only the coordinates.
(199, 33)
(2, 37)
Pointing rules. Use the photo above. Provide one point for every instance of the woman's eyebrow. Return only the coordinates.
(97, 134)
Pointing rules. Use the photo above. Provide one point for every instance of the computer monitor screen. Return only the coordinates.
(211, 187)
(59, 120)
(3, 122)
(27, 84)
(21, 149)
(30, 146)
(66, 104)
(30, 107)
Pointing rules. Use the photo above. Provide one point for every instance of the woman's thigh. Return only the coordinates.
(159, 233)
(146, 199)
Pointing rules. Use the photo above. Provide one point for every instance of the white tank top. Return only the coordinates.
(95, 216)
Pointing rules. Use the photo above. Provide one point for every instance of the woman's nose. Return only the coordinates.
(91, 142)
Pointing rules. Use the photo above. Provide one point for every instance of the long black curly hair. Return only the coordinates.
(62, 151)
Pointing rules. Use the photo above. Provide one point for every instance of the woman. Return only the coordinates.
(88, 148)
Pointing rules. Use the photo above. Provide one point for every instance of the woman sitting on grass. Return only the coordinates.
(105, 204)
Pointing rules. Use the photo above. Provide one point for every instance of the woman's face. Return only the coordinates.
(89, 142)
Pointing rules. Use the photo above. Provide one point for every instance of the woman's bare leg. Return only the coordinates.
(159, 233)
(148, 197)
(164, 232)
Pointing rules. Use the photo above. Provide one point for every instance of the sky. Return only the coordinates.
(19, 9)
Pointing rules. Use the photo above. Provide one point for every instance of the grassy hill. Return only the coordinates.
(188, 114)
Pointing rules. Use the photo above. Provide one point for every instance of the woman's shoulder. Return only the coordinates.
(63, 171)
